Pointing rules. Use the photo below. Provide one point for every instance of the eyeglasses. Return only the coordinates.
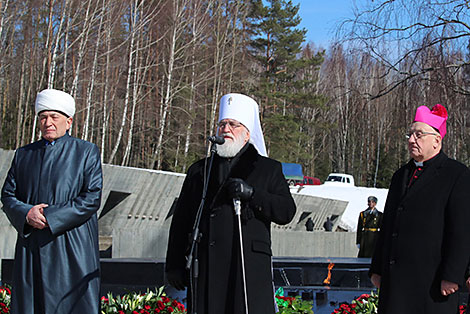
(418, 134)
(231, 124)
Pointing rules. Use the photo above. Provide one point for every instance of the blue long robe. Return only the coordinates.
(56, 269)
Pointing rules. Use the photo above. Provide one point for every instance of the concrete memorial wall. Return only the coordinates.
(136, 209)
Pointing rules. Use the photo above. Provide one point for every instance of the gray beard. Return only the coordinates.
(230, 149)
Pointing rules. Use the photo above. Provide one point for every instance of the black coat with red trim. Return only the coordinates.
(219, 284)
(424, 239)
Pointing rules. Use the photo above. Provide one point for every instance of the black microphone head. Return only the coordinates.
(216, 139)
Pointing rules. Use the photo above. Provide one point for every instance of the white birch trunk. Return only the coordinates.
(66, 51)
(129, 76)
(179, 7)
(44, 64)
(50, 81)
(4, 8)
(104, 129)
(81, 50)
(91, 86)
(19, 117)
(127, 151)
(221, 43)
(192, 91)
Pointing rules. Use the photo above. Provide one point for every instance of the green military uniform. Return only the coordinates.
(368, 228)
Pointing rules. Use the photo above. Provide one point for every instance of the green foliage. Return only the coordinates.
(292, 305)
(277, 40)
(284, 137)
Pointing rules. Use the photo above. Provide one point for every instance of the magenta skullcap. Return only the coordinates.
(436, 117)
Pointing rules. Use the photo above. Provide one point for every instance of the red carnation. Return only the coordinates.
(439, 110)
(160, 305)
(344, 306)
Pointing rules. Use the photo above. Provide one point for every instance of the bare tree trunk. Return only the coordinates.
(66, 52)
(19, 121)
(104, 128)
(81, 50)
(45, 60)
(50, 81)
(192, 86)
(133, 23)
(3, 17)
(135, 88)
(93, 71)
(178, 143)
(377, 157)
(179, 7)
(3, 8)
(219, 37)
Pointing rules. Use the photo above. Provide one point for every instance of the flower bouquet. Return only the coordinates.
(5, 299)
(292, 305)
(147, 303)
(462, 309)
(365, 304)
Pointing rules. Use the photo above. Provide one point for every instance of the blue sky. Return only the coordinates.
(320, 17)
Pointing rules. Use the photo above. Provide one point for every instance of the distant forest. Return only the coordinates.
(147, 77)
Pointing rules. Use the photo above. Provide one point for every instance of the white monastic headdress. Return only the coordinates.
(245, 110)
(56, 100)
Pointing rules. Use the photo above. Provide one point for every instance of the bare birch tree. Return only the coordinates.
(178, 24)
(132, 31)
(91, 85)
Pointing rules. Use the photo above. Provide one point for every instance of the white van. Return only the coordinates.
(340, 179)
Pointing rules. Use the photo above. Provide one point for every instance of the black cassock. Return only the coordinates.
(424, 238)
(56, 269)
(220, 279)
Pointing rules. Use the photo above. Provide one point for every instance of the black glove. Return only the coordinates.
(237, 188)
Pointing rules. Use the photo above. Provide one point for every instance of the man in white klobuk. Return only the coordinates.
(242, 171)
(51, 195)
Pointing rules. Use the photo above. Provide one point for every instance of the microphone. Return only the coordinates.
(237, 206)
(216, 139)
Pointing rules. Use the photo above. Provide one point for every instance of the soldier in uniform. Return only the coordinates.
(368, 228)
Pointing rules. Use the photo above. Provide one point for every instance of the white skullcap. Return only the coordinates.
(245, 110)
(56, 100)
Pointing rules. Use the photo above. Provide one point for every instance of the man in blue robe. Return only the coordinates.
(51, 196)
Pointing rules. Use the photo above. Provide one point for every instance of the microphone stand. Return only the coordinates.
(192, 264)
(237, 207)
